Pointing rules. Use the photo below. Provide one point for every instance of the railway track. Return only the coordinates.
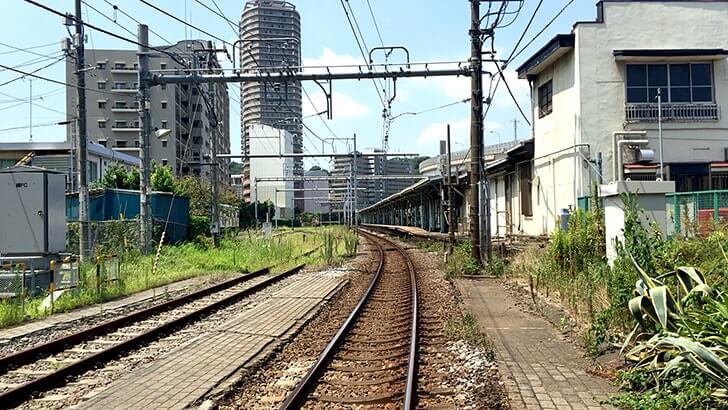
(372, 360)
(26, 373)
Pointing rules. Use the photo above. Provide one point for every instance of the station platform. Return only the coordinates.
(191, 372)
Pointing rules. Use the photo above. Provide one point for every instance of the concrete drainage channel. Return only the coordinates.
(24, 375)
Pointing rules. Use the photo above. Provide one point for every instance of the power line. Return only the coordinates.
(363, 55)
(525, 30)
(108, 18)
(220, 14)
(376, 26)
(27, 74)
(439, 107)
(25, 127)
(25, 49)
(543, 29)
(99, 29)
(32, 72)
(170, 15)
(513, 97)
(117, 8)
(23, 101)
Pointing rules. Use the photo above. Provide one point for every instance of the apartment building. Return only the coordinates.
(265, 140)
(316, 191)
(271, 103)
(112, 109)
(595, 107)
(371, 190)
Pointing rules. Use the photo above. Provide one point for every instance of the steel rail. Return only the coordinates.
(299, 395)
(25, 391)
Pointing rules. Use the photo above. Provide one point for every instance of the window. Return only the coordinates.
(164, 105)
(119, 85)
(102, 124)
(545, 99)
(164, 123)
(119, 66)
(677, 82)
(163, 86)
(119, 124)
(164, 143)
(163, 66)
(120, 144)
(119, 104)
(164, 161)
(102, 143)
(102, 104)
(101, 85)
(101, 66)
(524, 182)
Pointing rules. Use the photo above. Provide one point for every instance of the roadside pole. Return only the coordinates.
(84, 234)
(145, 228)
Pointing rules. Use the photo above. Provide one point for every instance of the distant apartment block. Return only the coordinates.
(317, 195)
(271, 103)
(370, 190)
(265, 140)
(112, 110)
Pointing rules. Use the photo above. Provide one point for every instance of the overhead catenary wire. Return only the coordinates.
(50, 80)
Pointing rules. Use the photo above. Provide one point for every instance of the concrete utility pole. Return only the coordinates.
(356, 186)
(476, 128)
(450, 197)
(83, 231)
(145, 214)
(515, 129)
(215, 182)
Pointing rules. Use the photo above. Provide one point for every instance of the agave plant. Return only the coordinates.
(686, 325)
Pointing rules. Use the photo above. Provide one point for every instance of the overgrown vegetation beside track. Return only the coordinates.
(244, 252)
(672, 324)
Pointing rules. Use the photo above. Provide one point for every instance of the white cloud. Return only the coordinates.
(430, 137)
(329, 58)
(344, 106)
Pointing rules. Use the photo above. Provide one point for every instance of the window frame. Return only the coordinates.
(545, 94)
(667, 90)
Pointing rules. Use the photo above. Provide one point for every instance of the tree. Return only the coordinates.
(162, 179)
(115, 177)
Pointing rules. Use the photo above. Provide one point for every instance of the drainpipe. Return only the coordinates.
(617, 167)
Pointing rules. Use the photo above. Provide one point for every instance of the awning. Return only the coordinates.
(685, 54)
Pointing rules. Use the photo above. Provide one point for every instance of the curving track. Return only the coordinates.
(372, 359)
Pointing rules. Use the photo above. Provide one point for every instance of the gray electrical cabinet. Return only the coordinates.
(32, 212)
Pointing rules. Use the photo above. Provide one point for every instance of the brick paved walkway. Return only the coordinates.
(541, 370)
(189, 372)
(80, 313)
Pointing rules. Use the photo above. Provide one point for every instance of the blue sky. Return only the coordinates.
(432, 30)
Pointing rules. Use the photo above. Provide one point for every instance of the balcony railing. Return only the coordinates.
(684, 112)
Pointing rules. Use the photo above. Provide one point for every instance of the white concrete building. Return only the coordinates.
(598, 85)
(265, 140)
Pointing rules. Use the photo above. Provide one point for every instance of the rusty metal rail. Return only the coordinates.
(298, 397)
(25, 391)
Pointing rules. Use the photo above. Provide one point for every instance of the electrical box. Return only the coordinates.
(32, 211)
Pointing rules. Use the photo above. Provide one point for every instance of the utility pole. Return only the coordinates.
(476, 128)
(83, 231)
(356, 187)
(215, 182)
(450, 198)
(30, 82)
(145, 217)
(515, 129)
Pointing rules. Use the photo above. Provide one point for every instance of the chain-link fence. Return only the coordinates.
(691, 213)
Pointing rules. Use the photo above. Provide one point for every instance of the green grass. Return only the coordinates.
(245, 252)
